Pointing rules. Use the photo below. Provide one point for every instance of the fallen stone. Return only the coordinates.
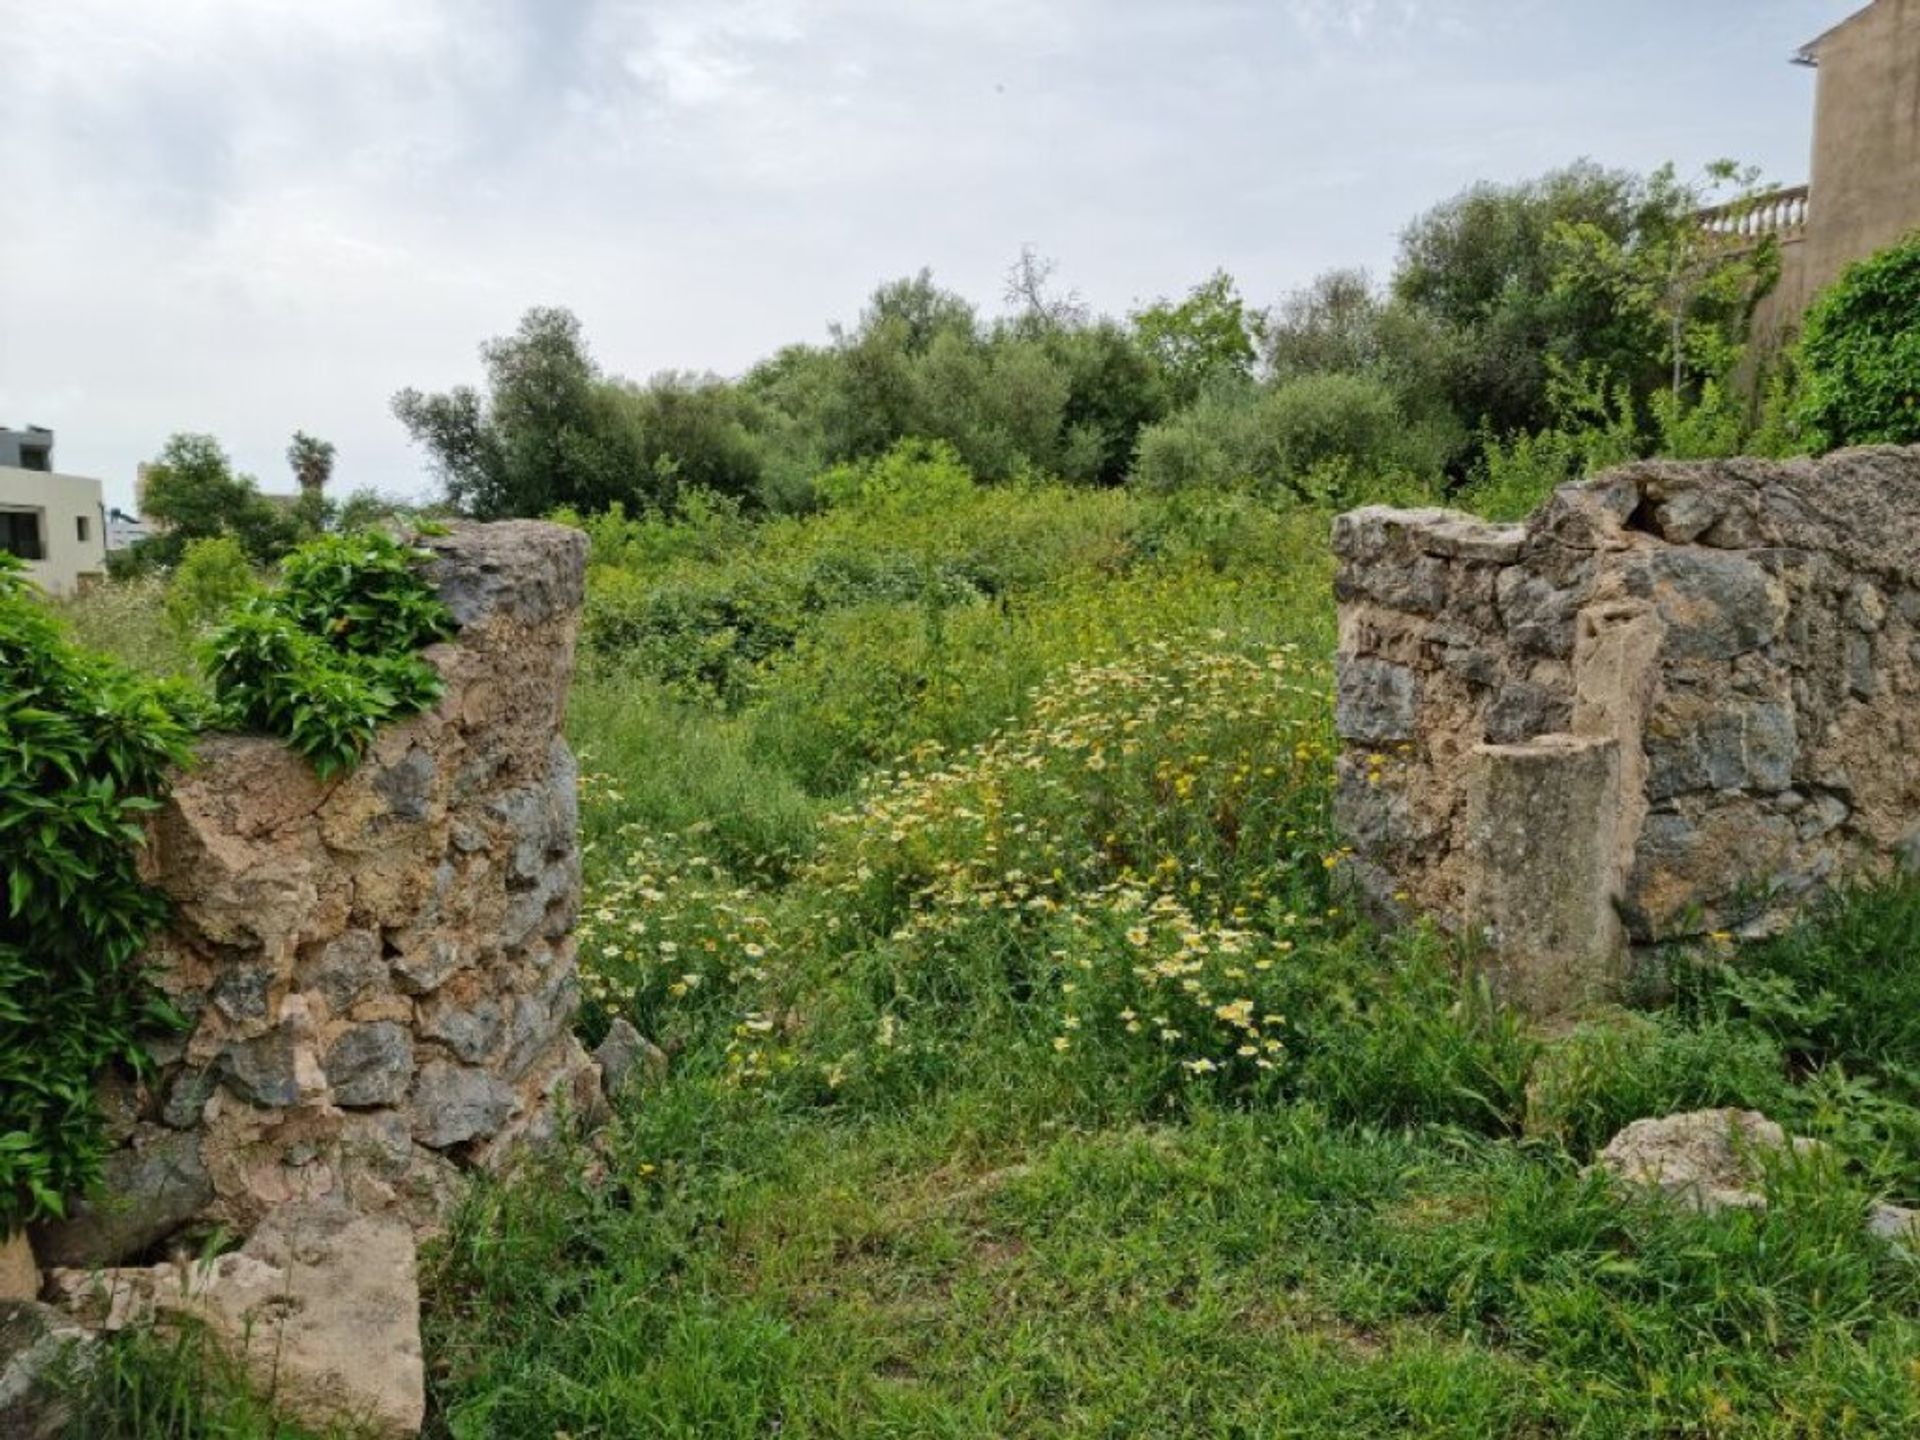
(1706, 1160)
(147, 1192)
(1895, 1224)
(322, 1304)
(326, 1310)
(627, 1058)
(41, 1351)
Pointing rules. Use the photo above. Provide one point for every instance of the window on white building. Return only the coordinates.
(20, 534)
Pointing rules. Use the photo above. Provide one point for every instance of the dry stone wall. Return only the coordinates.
(1680, 699)
(379, 971)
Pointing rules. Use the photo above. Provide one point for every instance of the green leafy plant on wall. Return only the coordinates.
(331, 653)
(1859, 356)
(85, 746)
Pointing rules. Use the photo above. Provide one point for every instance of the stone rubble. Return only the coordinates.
(322, 1304)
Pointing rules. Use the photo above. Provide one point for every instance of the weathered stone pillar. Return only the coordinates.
(378, 971)
(1543, 873)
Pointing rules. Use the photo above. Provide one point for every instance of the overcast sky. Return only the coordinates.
(252, 216)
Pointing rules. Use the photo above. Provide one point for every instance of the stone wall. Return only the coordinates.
(1679, 699)
(378, 971)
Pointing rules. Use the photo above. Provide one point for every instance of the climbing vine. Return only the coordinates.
(85, 747)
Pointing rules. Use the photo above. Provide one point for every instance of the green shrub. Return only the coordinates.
(328, 656)
(1333, 440)
(212, 577)
(84, 747)
(1860, 354)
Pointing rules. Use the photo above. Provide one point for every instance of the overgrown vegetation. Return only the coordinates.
(84, 746)
(957, 756)
(1028, 1078)
(1860, 355)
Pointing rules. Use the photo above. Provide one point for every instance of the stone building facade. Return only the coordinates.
(1863, 192)
(378, 971)
(1680, 699)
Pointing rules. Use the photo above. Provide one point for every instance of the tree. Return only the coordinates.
(694, 431)
(549, 432)
(1029, 293)
(1670, 305)
(1483, 265)
(920, 310)
(1583, 271)
(311, 460)
(1342, 324)
(1207, 337)
(191, 490)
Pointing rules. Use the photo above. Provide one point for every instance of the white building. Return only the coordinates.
(55, 522)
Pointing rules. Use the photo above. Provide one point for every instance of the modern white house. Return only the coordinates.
(56, 523)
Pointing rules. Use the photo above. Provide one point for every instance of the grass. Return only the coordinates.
(1028, 1079)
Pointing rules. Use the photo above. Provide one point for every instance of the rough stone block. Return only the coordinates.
(1544, 869)
(147, 1192)
(344, 968)
(452, 1104)
(41, 1351)
(370, 1065)
(1377, 703)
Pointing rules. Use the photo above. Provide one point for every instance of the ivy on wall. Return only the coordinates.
(85, 747)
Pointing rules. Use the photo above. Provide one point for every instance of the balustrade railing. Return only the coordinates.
(1778, 212)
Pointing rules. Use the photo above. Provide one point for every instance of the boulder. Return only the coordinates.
(627, 1058)
(1896, 1225)
(1707, 1160)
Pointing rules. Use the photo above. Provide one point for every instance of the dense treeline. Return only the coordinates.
(1512, 310)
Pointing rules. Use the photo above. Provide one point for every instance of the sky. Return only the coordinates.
(248, 217)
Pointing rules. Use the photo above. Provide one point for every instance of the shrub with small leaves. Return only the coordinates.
(331, 653)
(85, 746)
(1860, 354)
(212, 577)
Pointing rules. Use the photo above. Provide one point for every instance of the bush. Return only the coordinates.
(1329, 439)
(84, 747)
(212, 577)
(329, 655)
(1860, 354)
